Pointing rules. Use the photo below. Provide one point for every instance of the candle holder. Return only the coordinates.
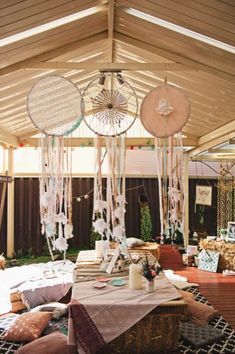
(135, 278)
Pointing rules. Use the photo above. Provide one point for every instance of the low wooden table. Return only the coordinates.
(156, 332)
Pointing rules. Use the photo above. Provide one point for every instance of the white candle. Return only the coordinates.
(135, 278)
(99, 249)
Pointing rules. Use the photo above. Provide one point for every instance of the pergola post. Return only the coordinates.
(10, 205)
(186, 201)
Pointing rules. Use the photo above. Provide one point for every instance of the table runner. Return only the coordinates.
(97, 316)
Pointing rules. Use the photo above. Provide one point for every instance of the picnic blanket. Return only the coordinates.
(37, 283)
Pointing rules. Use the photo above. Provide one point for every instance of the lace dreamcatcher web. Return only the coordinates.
(110, 109)
(163, 112)
(54, 106)
(108, 103)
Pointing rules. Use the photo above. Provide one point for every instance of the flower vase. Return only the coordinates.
(150, 286)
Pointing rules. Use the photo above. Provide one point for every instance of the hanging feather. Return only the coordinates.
(55, 195)
(169, 159)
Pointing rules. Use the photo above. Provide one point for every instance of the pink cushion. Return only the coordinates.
(27, 327)
(199, 311)
(54, 343)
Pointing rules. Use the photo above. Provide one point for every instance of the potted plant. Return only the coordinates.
(146, 226)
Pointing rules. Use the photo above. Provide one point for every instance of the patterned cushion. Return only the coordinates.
(27, 327)
(200, 335)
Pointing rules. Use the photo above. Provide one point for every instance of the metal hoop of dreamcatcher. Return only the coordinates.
(164, 112)
(54, 107)
(108, 101)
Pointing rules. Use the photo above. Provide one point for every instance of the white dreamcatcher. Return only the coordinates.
(164, 112)
(54, 106)
(107, 102)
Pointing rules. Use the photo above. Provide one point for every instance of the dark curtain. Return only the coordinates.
(28, 237)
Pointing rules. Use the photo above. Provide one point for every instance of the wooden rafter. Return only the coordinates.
(173, 56)
(222, 131)
(53, 53)
(109, 66)
(88, 141)
(111, 7)
(213, 139)
(8, 139)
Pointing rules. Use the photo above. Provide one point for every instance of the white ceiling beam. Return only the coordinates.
(108, 66)
(8, 139)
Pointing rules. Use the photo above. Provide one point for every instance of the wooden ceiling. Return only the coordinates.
(125, 35)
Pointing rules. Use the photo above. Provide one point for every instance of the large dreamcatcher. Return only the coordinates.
(164, 111)
(54, 106)
(108, 103)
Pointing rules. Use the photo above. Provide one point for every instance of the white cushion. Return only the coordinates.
(133, 242)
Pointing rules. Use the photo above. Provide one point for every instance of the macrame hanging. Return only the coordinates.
(107, 101)
(164, 111)
(225, 197)
(109, 206)
(54, 106)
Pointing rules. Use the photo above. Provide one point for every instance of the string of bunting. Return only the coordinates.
(86, 196)
(148, 145)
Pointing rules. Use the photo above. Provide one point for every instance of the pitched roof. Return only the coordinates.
(191, 42)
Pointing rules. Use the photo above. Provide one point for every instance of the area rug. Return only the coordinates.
(225, 345)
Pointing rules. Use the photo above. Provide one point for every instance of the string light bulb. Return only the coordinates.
(78, 199)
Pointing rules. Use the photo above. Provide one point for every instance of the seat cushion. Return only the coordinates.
(54, 343)
(27, 327)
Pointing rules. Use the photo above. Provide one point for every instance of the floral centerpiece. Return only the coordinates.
(149, 272)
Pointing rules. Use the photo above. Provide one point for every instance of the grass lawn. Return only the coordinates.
(71, 254)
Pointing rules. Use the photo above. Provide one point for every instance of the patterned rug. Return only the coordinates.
(225, 345)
